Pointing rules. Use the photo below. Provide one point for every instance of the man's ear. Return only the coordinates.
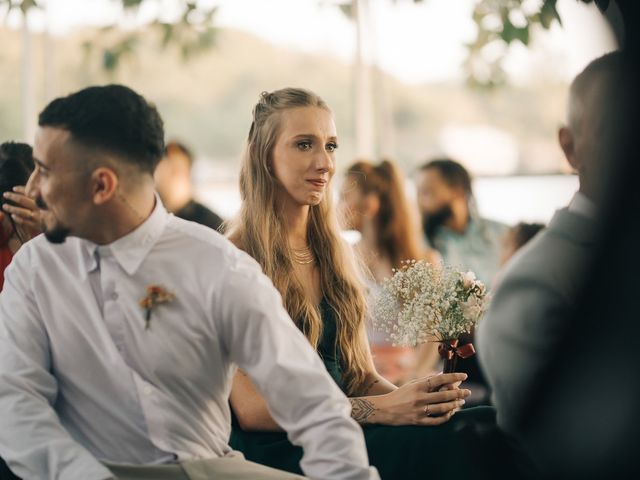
(104, 185)
(567, 144)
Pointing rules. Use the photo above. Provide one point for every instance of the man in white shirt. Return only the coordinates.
(542, 282)
(120, 331)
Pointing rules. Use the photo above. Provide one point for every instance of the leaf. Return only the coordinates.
(167, 34)
(510, 33)
(109, 60)
(27, 5)
(347, 9)
(549, 13)
(127, 4)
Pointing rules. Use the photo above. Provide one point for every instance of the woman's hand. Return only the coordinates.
(24, 212)
(426, 401)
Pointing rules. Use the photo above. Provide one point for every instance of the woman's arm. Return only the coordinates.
(420, 402)
(250, 407)
(426, 401)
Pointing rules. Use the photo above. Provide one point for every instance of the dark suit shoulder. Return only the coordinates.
(197, 212)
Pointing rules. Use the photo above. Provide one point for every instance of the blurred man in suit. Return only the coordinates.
(175, 186)
(543, 282)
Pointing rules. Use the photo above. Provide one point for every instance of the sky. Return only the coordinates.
(416, 43)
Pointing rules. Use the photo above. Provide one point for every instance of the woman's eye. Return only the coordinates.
(304, 145)
(331, 147)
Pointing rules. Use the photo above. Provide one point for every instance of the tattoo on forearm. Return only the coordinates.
(361, 409)
(371, 386)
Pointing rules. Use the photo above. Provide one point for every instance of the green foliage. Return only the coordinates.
(22, 5)
(494, 20)
(191, 33)
(497, 31)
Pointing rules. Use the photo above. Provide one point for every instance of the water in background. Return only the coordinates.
(507, 199)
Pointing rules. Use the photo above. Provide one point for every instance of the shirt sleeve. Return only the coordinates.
(32, 440)
(260, 337)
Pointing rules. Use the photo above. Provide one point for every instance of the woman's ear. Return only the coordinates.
(104, 185)
(371, 204)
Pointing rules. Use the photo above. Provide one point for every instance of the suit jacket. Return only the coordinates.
(528, 312)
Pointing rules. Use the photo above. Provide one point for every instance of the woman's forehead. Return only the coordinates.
(315, 121)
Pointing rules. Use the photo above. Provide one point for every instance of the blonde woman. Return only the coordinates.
(287, 223)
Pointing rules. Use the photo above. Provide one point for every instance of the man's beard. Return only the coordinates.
(57, 234)
(432, 221)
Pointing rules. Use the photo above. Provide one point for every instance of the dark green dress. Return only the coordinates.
(468, 445)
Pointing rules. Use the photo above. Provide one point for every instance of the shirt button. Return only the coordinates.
(147, 390)
(114, 296)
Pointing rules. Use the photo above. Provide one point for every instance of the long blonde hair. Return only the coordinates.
(260, 231)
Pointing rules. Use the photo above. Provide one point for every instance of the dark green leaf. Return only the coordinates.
(131, 3)
(347, 9)
(549, 13)
(109, 60)
(510, 33)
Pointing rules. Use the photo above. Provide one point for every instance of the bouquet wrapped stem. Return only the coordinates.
(450, 351)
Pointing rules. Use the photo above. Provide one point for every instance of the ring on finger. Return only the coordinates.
(426, 410)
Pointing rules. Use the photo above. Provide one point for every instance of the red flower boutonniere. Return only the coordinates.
(156, 295)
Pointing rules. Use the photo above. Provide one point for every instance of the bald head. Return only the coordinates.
(589, 117)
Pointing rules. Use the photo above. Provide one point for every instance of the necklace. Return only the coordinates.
(303, 256)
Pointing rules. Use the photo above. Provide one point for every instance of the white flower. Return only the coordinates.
(468, 280)
(472, 308)
(420, 301)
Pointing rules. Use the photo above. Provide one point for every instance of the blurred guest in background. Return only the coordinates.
(451, 221)
(374, 203)
(453, 226)
(540, 287)
(16, 165)
(517, 237)
(175, 186)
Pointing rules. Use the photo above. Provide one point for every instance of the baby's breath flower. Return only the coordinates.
(421, 301)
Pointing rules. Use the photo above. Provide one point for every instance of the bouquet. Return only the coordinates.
(420, 302)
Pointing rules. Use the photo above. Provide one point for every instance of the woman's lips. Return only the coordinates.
(318, 183)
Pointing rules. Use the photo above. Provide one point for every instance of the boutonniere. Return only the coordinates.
(156, 295)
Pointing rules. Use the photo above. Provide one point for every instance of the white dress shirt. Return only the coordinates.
(82, 381)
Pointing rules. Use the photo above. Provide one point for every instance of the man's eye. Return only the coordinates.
(304, 145)
(332, 147)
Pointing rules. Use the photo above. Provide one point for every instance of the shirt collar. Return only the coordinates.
(130, 250)
(581, 205)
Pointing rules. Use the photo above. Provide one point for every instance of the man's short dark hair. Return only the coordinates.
(112, 118)
(452, 172)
